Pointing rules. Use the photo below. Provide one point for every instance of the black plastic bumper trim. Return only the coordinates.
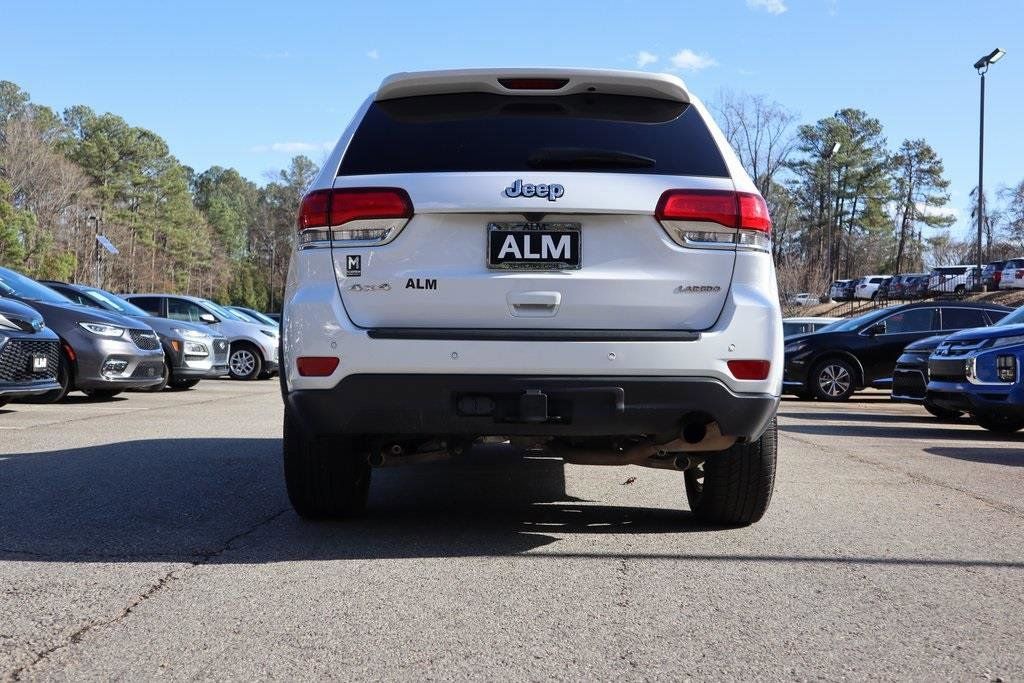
(481, 405)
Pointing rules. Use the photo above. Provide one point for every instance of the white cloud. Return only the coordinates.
(769, 6)
(294, 147)
(688, 60)
(643, 58)
(373, 54)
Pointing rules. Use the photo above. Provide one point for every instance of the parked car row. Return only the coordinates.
(951, 357)
(57, 337)
(942, 280)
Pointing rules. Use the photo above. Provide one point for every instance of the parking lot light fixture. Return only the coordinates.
(982, 65)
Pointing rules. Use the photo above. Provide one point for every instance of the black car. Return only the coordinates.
(862, 351)
(910, 378)
(29, 353)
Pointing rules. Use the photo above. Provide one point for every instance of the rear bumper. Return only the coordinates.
(481, 405)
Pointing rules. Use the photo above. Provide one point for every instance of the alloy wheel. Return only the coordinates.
(242, 362)
(834, 380)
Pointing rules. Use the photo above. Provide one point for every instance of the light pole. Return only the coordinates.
(982, 66)
(831, 219)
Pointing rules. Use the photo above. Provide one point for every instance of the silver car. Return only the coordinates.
(253, 348)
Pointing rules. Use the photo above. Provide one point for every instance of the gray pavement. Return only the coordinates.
(151, 537)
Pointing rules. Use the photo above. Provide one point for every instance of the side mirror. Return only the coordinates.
(208, 318)
(877, 328)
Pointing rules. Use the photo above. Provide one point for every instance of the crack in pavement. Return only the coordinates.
(174, 575)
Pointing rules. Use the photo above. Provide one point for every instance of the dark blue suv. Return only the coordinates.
(978, 371)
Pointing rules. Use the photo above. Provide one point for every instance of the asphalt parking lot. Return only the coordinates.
(150, 536)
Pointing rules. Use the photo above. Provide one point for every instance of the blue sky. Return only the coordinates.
(250, 84)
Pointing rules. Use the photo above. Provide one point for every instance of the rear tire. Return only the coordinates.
(960, 291)
(734, 487)
(942, 413)
(1001, 424)
(324, 477)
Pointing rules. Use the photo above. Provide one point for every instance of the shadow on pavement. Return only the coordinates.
(189, 499)
(1014, 457)
(939, 430)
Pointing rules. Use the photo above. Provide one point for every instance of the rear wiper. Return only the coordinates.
(579, 157)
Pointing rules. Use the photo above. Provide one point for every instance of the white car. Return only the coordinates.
(574, 260)
(953, 279)
(805, 325)
(803, 299)
(1013, 274)
(867, 286)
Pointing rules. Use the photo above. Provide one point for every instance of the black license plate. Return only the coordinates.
(38, 363)
(534, 246)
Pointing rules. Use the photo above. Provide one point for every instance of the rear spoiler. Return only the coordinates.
(540, 81)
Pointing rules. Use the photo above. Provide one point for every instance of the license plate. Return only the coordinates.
(39, 363)
(534, 246)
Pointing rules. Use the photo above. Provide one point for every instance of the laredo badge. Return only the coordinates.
(353, 265)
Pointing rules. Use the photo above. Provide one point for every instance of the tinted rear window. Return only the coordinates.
(484, 132)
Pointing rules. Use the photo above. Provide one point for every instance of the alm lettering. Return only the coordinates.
(417, 283)
(521, 189)
(548, 248)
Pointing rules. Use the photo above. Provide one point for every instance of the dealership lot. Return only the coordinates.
(152, 536)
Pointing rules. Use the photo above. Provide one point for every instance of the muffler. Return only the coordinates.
(696, 436)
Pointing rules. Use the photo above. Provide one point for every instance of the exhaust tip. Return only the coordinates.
(694, 432)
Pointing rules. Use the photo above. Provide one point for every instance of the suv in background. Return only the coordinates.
(253, 348)
(867, 286)
(838, 290)
(1012, 274)
(861, 352)
(992, 273)
(191, 352)
(29, 353)
(571, 259)
(956, 280)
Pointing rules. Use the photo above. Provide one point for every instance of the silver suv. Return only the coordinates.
(253, 352)
(572, 259)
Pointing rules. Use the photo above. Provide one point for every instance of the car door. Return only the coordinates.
(893, 333)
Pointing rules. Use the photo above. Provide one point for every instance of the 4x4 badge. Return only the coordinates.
(520, 189)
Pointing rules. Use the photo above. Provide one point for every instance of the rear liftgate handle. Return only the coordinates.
(534, 304)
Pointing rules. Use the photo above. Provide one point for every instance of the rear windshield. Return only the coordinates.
(485, 132)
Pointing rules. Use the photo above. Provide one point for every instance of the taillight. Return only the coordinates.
(316, 366)
(750, 369)
(742, 215)
(354, 216)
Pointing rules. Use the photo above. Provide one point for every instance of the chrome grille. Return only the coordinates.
(147, 341)
(220, 351)
(16, 360)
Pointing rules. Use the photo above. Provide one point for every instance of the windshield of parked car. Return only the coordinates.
(112, 302)
(264, 320)
(16, 285)
(223, 313)
(1015, 318)
(855, 323)
(243, 316)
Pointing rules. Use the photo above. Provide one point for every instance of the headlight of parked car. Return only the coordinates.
(189, 334)
(795, 347)
(1008, 341)
(196, 349)
(103, 330)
